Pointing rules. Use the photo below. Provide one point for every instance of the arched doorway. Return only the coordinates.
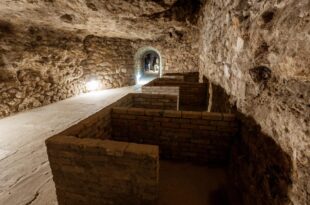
(148, 64)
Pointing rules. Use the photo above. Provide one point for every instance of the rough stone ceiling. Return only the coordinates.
(135, 19)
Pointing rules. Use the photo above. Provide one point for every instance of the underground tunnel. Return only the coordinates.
(154, 102)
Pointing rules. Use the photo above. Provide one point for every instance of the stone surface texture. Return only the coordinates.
(258, 51)
(40, 66)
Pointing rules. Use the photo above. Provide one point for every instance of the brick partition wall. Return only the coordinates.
(164, 90)
(178, 77)
(187, 77)
(151, 101)
(92, 171)
(192, 96)
(181, 135)
(98, 125)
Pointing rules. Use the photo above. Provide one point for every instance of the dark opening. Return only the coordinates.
(150, 63)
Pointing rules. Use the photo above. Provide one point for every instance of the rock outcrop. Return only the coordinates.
(258, 52)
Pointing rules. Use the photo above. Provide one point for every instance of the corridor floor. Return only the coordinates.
(25, 175)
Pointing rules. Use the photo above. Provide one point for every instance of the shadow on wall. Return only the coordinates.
(218, 98)
(260, 171)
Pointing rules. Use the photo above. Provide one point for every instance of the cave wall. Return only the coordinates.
(258, 52)
(39, 66)
(179, 51)
(110, 60)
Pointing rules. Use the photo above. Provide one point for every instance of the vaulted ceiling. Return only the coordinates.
(133, 19)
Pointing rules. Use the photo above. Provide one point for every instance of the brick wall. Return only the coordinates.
(168, 76)
(92, 171)
(181, 135)
(192, 96)
(218, 98)
(151, 88)
(97, 125)
(166, 102)
(187, 77)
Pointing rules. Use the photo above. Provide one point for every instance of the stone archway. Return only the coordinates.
(139, 61)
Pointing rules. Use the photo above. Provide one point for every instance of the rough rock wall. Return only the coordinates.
(260, 172)
(258, 51)
(37, 68)
(110, 60)
(40, 66)
(179, 51)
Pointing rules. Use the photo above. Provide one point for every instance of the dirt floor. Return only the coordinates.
(188, 184)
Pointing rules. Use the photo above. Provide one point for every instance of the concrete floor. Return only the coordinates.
(25, 175)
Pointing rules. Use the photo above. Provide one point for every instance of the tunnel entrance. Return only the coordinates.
(148, 65)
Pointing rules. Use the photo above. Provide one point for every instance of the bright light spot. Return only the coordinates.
(138, 77)
(93, 85)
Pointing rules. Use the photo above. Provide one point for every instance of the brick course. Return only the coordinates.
(92, 171)
(192, 96)
(151, 101)
(187, 77)
(181, 135)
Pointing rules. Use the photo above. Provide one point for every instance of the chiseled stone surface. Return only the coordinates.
(258, 51)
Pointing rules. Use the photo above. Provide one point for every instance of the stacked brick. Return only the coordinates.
(89, 168)
(150, 88)
(166, 102)
(97, 125)
(192, 96)
(181, 135)
(187, 77)
(92, 171)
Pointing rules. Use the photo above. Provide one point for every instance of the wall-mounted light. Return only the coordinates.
(93, 85)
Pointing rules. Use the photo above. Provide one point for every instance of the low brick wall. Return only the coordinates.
(178, 77)
(164, 90)
(92, 171)
(181, 135)
(151, 101)
(187, 77)
(192, 96)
